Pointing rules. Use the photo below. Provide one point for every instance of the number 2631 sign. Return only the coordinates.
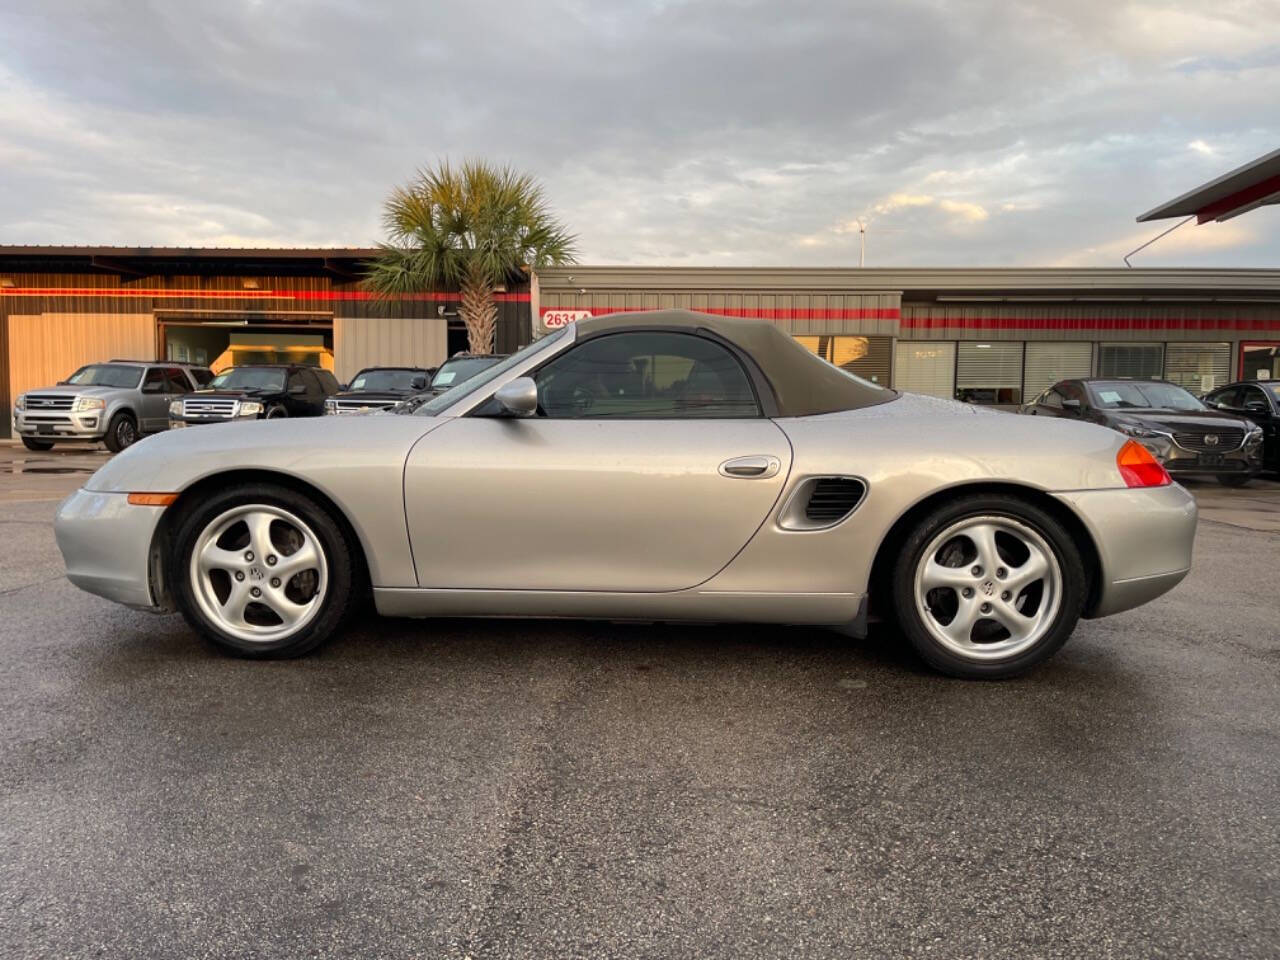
(562, 318)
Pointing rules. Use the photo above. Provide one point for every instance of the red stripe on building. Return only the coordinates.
(170, 294)
(1090, 323)
(786, 313)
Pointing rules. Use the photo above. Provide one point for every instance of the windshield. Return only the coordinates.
(248, 378)
(430, 406)
(1124, 395)
(1274, 388)
(459, 370)
(107, 375)
(393, 380)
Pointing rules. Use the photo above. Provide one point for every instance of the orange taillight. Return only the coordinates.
(152, 499)
(1139, 468)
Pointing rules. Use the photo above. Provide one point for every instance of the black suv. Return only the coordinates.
(256, 393)
(376, 388)
(1259, 400)
(460, 368)
(1180, 431)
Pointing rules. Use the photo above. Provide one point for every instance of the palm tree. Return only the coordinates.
(470, 229)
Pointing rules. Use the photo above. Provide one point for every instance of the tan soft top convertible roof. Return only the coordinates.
(803, 385)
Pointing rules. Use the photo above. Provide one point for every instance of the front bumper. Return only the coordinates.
(62, 424)
(1144, 538)
(106, 544)
(1180, 461)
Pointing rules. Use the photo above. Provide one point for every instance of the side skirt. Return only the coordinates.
(827, 609)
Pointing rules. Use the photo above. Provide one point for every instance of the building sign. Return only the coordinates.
(552, 319)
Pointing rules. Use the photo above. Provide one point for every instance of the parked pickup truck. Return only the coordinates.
(376, 388)
(264, 392)
(115, 402)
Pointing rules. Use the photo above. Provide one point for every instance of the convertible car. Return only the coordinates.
(649, 466)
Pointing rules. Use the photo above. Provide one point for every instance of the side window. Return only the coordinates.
(176, 381)
(646, 375)
(201, 376)
(1229, 397)
(296, 380)
(1073, 390)
(154, 381)
(328, 382)
(1254, 400)
(1052, 399)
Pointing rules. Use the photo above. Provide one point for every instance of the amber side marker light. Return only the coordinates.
(158, 499)
(1139, 468)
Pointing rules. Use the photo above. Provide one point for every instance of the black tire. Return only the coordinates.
(122, 432)
(276, 412)
(1064, 548)
(31, 443)
(1234, 480)
(343, 571)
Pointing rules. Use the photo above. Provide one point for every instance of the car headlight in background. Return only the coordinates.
(175, 408)
(1140, 430)
(249, 408)
(84, 404)
(21, 402)
(330, 407)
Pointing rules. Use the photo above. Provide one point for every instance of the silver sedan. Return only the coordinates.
(655, 466)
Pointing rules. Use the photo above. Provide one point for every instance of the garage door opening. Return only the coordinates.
(222, 344)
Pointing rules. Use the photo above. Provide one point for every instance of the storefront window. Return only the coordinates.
(1132, 361)
(989, 373)
(866, 357)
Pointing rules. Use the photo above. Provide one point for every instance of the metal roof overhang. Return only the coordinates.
(1246, 188)
(341, 264)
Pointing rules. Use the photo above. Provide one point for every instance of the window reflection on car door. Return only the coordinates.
(616, 485)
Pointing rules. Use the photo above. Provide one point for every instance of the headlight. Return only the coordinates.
(249, 408)
(175, 408)
(89, 403)
(21, 402)
(330, 407)
(1134, 429)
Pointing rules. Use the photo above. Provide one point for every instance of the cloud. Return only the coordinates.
(735, 131)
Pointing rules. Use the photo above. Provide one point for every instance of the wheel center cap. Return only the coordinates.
(989, 588)
(257, 573)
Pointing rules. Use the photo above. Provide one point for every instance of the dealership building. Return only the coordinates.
(991, 336)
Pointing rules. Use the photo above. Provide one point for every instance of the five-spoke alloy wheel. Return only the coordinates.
(988, 587)
(262, 571)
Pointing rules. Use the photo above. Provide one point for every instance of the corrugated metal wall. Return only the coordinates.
(1075, 321)
(394, 341)
(797, 312)
(48, 347)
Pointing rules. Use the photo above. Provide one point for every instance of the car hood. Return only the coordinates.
(393, 395)
(70, 389)
(1179, 419)
(252, 394)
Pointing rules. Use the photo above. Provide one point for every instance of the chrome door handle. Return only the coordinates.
(759, 467)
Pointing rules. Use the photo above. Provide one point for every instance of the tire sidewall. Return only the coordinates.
(36, 445)
(276, 412)
(112, 436)
(337, 553)
(1067, 554)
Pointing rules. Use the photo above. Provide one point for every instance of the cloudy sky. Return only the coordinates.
(963, 131)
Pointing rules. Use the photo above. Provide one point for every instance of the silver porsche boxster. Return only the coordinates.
(652, 466)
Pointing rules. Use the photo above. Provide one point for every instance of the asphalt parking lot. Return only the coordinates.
(539, 789)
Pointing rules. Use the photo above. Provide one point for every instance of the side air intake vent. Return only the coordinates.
(822, 502)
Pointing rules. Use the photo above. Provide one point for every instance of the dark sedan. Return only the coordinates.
(376, 388)
(1189, 438)
(1259, 400)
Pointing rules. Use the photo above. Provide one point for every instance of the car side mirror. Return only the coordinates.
(298, 389)
(418, 383)
(1072, 405)
(518, 397)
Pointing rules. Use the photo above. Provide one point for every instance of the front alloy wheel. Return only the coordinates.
(262, 571)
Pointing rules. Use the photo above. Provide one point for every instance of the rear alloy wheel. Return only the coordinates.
(263, 572)
(122, 432)
(988, 587)
(31, 443)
